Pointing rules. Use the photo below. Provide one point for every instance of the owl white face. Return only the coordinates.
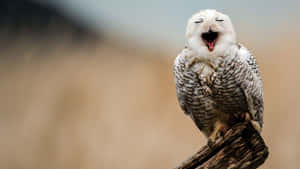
(210, 32)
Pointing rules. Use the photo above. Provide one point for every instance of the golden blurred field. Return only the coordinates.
(107, 106)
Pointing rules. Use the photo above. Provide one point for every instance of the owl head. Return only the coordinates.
(210, 32)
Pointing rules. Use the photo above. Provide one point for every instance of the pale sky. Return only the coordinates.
(165, 21)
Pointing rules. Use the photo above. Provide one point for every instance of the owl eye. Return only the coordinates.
(219, 20)
(199, 21)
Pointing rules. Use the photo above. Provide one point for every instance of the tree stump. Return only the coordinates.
(241, 148)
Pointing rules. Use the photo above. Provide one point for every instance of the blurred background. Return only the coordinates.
(88, 84)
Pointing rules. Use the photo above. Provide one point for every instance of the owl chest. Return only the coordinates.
(215, 82)
(219, 86)
(203, 81)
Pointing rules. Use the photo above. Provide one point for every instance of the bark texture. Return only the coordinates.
(241, 148)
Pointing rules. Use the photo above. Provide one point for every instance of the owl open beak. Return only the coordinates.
(210, 39)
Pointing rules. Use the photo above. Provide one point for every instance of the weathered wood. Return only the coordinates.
(241, 148)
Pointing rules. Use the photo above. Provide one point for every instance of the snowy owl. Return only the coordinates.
(217, 79)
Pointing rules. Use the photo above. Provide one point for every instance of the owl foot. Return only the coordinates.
(245, 117)
(240, 117)
(217, 134)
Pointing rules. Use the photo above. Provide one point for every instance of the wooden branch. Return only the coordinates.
(241, 148)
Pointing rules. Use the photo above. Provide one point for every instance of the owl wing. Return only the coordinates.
(182, 91)
(251, 84)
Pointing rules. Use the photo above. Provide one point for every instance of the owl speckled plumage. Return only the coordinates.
(217, 79)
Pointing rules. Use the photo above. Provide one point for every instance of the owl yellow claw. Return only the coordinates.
(218, 132)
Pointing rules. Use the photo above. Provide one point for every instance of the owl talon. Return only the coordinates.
(245, 117)
(210, 143)
(218, 134)
(240, 117)
(213, 140)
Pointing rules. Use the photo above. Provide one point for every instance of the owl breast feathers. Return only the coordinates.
(212, 91)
